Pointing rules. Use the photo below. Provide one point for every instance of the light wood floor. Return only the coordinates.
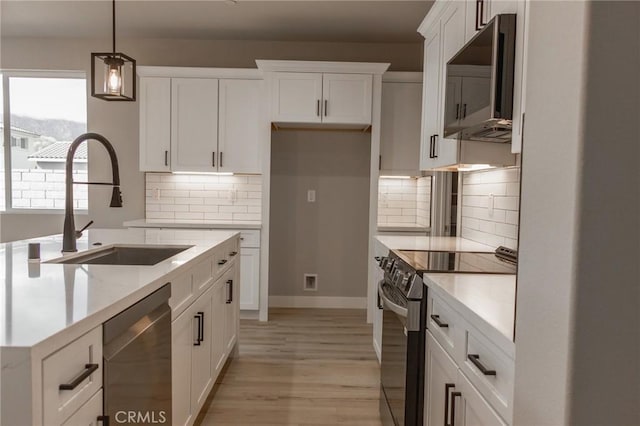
(303, 367)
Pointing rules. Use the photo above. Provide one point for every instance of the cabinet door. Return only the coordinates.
(377, 275)
(497, 7)
(155, 124)
(232, 316)
(194, 125)
(430, 97)
(473, 409)
(218, 326)
(296, 97)
(440, 383)
(201, 362)
(347, 98)
(88, 414)
(249, 278)
(400, 128)
(240, 126)
(182, 340)
(445, 151)
(520, 76)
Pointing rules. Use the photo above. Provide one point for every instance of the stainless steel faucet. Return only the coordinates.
(69, 232)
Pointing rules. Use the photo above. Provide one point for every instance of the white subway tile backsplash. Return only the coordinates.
(497, 226)
(209, 197)
(404, 201)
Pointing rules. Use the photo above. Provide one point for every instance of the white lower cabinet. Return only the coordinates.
(201, 372)
(439, 384)
(203, 337)
(468, 379)
(89, 414)
(250, 273)
(473, 409)
(82, 357)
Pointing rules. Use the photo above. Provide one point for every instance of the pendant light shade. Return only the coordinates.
(113, 74)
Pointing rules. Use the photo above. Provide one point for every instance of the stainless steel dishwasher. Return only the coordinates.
(137, 362)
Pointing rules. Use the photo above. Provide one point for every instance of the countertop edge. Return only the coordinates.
(143, 223)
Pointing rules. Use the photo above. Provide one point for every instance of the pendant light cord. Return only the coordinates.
(114, 26)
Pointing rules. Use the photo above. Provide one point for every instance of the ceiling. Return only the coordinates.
(332, 21)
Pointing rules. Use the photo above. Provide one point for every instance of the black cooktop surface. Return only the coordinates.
(458, 262)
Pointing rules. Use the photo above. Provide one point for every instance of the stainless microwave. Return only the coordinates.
(479, 85)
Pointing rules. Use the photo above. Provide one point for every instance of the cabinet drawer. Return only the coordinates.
(70, 366)
(88, 414)
(202, 275)
(250, 239)
(490, 371)
(181, 293)
(446, 326)
(225, 254)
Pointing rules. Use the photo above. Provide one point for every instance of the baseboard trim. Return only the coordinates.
(249, 315)
(317, 302)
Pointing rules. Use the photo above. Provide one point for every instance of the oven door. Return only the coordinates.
(393, 368)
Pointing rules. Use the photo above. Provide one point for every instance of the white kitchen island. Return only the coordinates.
(49, 308)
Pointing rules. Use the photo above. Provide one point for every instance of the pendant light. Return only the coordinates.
(113, 74)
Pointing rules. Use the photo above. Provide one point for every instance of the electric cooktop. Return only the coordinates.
(503, 261)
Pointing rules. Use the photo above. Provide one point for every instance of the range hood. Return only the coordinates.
(479, 89)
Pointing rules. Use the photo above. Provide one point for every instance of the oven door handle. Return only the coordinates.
(387, 302)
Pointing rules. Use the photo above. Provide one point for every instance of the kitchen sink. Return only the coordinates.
(145, 255)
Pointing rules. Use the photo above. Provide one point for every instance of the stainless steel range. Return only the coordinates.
(402, 296)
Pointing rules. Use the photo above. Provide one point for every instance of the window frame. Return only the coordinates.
(7, 74)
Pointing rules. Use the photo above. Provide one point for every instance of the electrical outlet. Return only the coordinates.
(311, 196)
(490, 202)
(157, 194)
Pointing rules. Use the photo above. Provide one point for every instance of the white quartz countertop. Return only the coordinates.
(42, 303)
(195, 224)
(398, 242)
(486, 300)
(402, 227)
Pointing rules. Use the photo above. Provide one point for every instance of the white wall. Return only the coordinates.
(577, 322)
(330, 236)
(118, 121)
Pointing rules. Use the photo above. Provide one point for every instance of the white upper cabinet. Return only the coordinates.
(296, 97)
(479, 12)
(337, 98)
(191, 121)
(447, 27)
(240, 123)
(444, 37)
(400, 127)
(155, 124)
(194, 124)
(347, 98)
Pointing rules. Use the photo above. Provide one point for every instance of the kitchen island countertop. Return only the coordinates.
(42, 304)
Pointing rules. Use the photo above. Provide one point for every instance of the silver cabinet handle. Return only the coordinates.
(166, 158)
(326, 107)
(318, 107)
(213, 159)
(220, 159)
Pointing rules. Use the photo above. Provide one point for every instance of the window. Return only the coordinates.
(47, 111)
